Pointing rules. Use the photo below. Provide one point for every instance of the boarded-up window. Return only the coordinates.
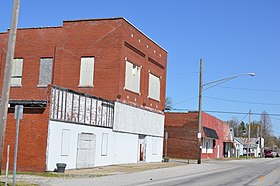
(65, 139)
(154, 146)
(86, 72)
(45, 71)
(16, 77)
(132, 77)
(154, 87)
(104, 145)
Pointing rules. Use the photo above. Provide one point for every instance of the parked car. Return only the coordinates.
(268, 154)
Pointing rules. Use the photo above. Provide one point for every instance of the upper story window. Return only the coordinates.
(16, 77)
(132, 77)
(86, 72)
(45, 72)
(154, 87)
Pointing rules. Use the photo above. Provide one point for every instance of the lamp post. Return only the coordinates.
(203, 87)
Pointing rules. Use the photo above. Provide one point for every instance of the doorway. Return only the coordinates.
(86, 150)
(142, 148)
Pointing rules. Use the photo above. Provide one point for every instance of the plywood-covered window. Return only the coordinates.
(16, 77)
(132, 77)
(104, 145)
(65, 141)
(154, 87)
(86, 72)
(154, 146)
(45, 78)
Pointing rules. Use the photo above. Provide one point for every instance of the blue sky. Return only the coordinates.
(232, 37)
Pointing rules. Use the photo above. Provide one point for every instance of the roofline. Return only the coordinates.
(176, 112)
(39, 27)
(29, 28)
(115, 18)
(94, 19)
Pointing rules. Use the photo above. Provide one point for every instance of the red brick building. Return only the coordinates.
(182, 131)
(106, 58)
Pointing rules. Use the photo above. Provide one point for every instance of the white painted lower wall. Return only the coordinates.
(122, 147)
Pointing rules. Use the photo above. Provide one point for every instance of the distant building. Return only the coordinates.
(254, 145)
(182, 129)
(93, 93)
(239, 146)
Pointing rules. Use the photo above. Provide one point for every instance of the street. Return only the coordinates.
(233, 172)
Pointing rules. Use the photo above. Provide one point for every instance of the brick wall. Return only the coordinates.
(32, 140)
(102, 38)
(182, 131)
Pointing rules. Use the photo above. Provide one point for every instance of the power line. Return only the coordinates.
(259, 90)
(247, 102)
(275, 118)
(227, 112)
(186, 100)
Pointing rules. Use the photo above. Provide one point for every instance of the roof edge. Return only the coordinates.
(116, 18)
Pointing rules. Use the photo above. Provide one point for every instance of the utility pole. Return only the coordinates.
(7, 77)
(199, 114)
(261, 143)
(249, 134)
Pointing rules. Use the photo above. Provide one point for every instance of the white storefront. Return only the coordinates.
(87, 132)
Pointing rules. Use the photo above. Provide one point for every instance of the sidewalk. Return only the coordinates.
(121, 169)
(46, 178)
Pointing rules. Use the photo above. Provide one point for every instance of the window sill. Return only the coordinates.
(154, 99)
(42, 86)
(126, 89)
(85, 86)
(16, 86)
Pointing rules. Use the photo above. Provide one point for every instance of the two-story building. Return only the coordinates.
(93, 93)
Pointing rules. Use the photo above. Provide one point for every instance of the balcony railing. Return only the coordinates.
(75, 107)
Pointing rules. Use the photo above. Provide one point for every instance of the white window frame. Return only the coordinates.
(154, 87)
(40, 83)
(132, 77)
(17, 68)
(207, 145)
(87, 72)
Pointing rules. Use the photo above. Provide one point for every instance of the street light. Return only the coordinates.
(204, 87)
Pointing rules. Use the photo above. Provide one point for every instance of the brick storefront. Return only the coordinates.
(182, 131)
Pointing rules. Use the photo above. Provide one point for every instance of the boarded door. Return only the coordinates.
(86, 150)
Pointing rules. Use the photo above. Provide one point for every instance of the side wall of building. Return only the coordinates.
(182, 135)
(143, 52)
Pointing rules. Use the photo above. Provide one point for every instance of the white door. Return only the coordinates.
(86, 150)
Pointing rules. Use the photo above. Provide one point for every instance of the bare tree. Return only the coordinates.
(266, 130)
(168, 103)
(233, 123)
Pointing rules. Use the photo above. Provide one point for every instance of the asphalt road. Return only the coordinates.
(236, 172)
